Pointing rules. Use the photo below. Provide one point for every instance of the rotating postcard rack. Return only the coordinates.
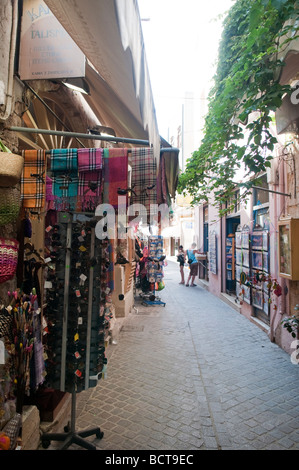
(75, 314)
(154, 269)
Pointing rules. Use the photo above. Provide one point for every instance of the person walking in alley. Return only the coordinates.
(193, 264)
(181, 260)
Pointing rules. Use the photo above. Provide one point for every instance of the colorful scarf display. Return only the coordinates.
(64, 168)
(50, 198)
(144, 178)
(90, 163)
(64, 160)
(115, 174)
(84, 178)
(33, 180)
(65, 186)
(90, 160)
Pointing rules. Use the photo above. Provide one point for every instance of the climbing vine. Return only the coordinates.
(245, 95)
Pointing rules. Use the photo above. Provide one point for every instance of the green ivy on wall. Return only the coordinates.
(246, 84)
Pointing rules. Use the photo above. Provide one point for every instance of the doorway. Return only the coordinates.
(230, 254)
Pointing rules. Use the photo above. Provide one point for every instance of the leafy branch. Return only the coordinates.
(245, 95)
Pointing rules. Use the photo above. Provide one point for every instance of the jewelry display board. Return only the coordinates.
(74, 310)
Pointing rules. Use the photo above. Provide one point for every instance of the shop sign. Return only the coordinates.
(46, 49)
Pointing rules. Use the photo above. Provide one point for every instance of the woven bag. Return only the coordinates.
(8, 258)
(10, 204)
(11, 166)
(12, 430)
(6, 325)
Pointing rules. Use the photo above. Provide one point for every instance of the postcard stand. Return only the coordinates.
(155, 269)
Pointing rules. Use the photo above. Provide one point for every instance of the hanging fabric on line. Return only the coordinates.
(90, 163)
(33, 179)
(64, 160)
(115, 174)
(64, 168)
(144, 178)
(80, 179)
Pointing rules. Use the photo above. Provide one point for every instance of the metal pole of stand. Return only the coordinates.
(72, 437)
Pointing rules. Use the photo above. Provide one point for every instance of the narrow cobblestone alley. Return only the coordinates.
(193, 375)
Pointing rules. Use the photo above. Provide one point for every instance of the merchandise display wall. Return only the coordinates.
(75, 304)
(56, 321)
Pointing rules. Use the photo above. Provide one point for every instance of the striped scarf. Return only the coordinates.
(90, 178)
(33, 179)
(115, 174)
(64, 160)
(64, 168)
(144, 178)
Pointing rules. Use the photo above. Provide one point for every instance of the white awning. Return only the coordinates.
(110, 35)
(110, 110)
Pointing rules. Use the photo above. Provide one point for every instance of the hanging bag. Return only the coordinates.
(8, 258)
(11, 166)
(10, 204)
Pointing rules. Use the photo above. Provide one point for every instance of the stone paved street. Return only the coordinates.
(193, 375)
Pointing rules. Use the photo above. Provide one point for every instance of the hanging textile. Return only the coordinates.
(33, 180)
(90, 163)
(171, 169)
(50, 198)
(115, 174)
(160, 199)
(165, 192)
(144, 178)
(64, 160)
(64, 168)
(90, 159)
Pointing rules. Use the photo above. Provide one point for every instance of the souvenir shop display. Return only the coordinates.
(242, 264)
(22, 365)
(152, 272)
(76, 290)
(76, 283)
(55, 326)
(252, 268)
(260, 270)
(59, 328)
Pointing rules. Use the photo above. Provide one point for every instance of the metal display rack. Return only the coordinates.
(71, 436)
(155, 271)
(81, 325)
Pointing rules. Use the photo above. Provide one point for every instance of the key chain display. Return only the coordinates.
(76, 290)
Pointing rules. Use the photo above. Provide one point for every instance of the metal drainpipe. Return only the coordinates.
(283, 281)
(282, 303)
(9, 93)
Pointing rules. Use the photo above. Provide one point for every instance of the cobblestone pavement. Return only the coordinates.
(193, 375)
